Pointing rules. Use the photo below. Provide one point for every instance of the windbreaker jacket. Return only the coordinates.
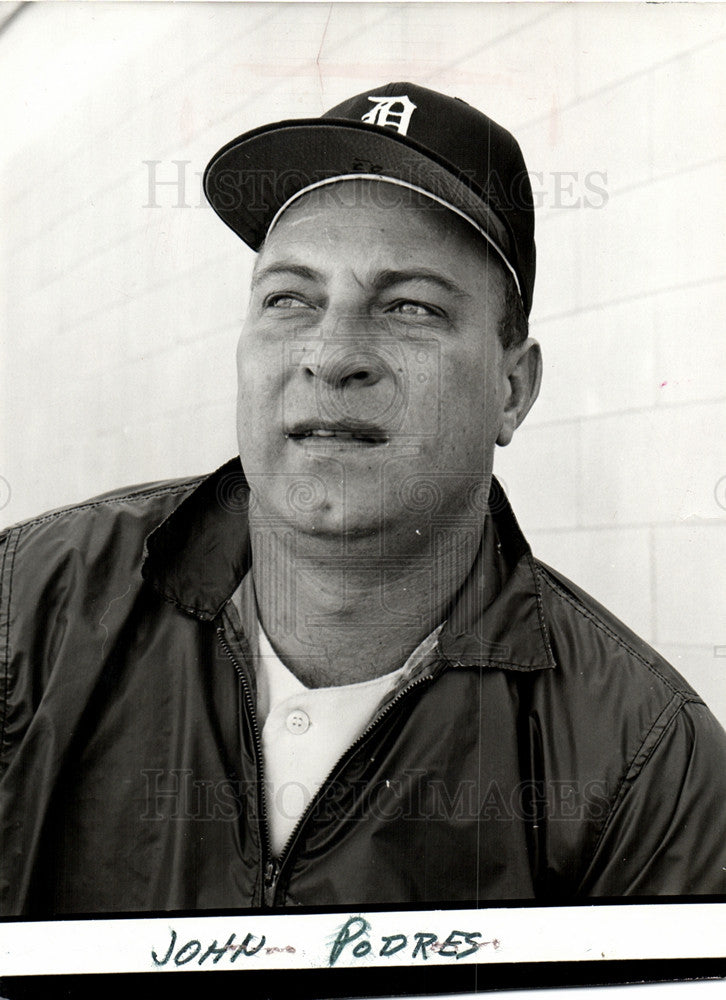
(542, 751)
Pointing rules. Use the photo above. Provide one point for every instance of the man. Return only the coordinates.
(334, 674)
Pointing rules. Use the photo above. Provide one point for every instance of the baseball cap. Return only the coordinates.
(402, 133)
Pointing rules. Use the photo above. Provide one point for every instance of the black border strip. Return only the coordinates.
(325, 984)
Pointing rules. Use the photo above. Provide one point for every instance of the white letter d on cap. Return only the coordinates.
(386, 112)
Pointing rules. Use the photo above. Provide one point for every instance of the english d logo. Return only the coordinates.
(392, 112)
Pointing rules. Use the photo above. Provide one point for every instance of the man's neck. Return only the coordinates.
(339, 615)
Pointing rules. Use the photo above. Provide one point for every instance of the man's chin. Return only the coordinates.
(310, 514)
(336, 523)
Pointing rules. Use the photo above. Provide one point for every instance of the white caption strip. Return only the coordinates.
(430, 938)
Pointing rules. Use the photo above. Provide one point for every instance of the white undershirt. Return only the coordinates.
(305, 731)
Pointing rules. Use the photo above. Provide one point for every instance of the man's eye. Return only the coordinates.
(414, 309)
(285, 301)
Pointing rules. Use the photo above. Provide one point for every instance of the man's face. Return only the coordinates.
(372, 381)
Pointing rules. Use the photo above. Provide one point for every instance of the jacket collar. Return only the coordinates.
(197, 556)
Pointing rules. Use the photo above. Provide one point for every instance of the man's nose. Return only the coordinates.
(348, 354)
(348, 366)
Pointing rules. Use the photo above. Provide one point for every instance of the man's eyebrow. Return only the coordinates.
(286, 267)
(385, 279)
(381, 279)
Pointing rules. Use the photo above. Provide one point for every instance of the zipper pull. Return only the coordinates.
(271, 872)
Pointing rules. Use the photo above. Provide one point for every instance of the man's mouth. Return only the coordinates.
(361, 434)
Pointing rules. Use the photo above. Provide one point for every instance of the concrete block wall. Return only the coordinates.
(122, 298)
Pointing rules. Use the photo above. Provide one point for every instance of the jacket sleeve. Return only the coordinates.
(666, 832)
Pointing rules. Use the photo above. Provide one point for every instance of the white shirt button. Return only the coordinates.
(298, 722)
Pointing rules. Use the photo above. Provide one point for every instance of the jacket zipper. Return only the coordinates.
(273, 866)
(270, 864)
(339, 767)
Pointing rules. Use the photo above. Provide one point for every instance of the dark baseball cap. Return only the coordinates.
(402, 133)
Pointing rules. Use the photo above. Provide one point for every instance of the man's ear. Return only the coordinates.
(523, 375)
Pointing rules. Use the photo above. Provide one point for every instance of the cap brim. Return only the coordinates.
(251, 177)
